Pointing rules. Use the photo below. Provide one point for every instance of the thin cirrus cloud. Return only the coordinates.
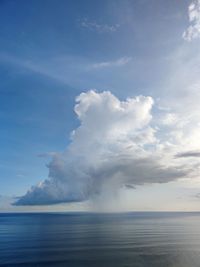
(115, 63)
(100, 28)
(114, 147)
(63, 69)
(193, 31)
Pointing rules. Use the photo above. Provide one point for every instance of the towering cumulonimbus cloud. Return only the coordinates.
(115, 146)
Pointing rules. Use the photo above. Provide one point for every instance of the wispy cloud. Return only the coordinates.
(193, 31)
(101, 28)
(63, 69)
(31, 65)
(115, 63)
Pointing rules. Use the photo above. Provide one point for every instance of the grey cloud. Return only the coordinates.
(66, 184)
(197, 195)
(188, 154)
(129, 186)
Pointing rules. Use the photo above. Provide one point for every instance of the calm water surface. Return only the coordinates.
(97, 240)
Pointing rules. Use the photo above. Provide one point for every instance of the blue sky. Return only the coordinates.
(52, 51)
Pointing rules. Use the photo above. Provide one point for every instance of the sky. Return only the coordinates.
(99, 105)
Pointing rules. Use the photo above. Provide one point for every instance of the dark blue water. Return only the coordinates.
(84, 240)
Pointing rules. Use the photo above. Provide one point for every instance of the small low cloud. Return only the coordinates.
(197, 195)
(100, 28)
(188, 154)
(115, 63)
(129, 186)
(193, 31)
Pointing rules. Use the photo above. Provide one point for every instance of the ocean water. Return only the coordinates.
(100, 240)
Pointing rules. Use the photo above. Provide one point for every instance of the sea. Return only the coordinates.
(138, 239)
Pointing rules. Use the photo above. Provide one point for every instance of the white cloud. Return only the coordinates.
(115, 63)
(101, 28)
(115, 146)
(193, 31)
(169, 119)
